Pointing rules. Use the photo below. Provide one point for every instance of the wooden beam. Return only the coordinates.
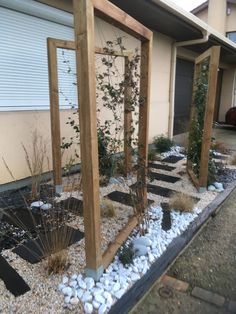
(209, 114)
(54, 114)
(112, 249)
(119, 18)
(127, 117)
(145, 83)
(86, 77)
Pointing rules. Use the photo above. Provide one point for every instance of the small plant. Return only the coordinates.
(107, 209)
(162, 143)
(151, 155)
(126, 254)
(182, 202)
(57, 262)
(35, 160)
(233, 160)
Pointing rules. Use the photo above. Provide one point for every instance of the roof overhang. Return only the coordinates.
(165, 17)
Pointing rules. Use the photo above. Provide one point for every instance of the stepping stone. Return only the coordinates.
(161, 167)
(33, 251)
(73, 204)
(159, 190)
(12, 280)
(172, 159)
(163, 177)
(123, 198)
(220, 157)
(166, 220)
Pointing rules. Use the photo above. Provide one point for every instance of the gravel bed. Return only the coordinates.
(44, 295)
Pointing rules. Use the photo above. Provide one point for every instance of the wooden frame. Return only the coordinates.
(84, 11)
(53, 44)
(213, 55)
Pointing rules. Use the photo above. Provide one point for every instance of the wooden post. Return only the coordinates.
(86, 77)
(55, 115)
(145, 83)
(209, 114)
(127, 118)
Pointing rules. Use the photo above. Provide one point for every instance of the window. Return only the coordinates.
(231, 36)
(24, 65)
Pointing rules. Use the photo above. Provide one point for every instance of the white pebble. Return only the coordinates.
(65, 280)
(119, 293)
(116, 287)
(86, 297)
(73, 283)
(82, 284)
(67, 291)
(67, 299)
(88, 308)
(99, 298)
(96, 304)
(80, 292)
(102, 309)
(74, 301)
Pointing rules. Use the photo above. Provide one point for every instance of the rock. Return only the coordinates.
(36, 204)
(74, 301)
(82, 284)
(116, 287)
(86, 297)
(90, 283)
(142, 241)
(88, 308)
(61, 286)
(67, 300)
(135, 277)
(96, 305)
(140, 250)
(46, 206)
(65, 280)
(151, 258)
(74, 277)
(80, 292)
(73, 283)
(218, 185)
(102, 309)
(114, 181)
(211, 188)
(67, 291)
(100, 299)
(75, 293)
(119, 293)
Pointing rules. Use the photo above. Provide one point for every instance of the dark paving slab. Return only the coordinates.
(12, 280)
(160, 166)
(163, 177)
(73, 204)
(33, 251)
(123, 198)
(166, 220)
(159, 190)
(172, 159)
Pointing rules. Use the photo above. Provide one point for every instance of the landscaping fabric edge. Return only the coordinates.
(135, 293)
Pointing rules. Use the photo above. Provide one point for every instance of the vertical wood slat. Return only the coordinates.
(54, 112)
(127, 118)
(209, 113)
(145, 86)
(85, 63)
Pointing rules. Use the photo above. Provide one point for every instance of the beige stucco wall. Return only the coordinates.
(227, 92)
(203, 15)
(17, 127)
(231, 19)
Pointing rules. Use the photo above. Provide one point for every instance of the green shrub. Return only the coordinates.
(162, 143)
(151, 155)
(126, 254)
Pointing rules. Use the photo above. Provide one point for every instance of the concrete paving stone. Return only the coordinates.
(174, 283)
(208, 296)
(232, 306)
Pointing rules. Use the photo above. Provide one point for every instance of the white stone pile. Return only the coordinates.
(117, 279)
(216, 187)
(174, 151)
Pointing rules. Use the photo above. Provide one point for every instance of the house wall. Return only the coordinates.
(227, 92)
(231, 19)
(16, 127)
(203, 15)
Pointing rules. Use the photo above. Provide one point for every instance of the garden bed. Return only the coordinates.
(44, 294)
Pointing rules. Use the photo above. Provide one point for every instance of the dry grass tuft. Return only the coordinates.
(107, 209)
(233, 160)
(182, 202)
(219, 147)
(57, 263)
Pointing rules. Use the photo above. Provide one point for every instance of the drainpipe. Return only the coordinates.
(173, 73)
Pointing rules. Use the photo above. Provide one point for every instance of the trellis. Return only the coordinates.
(84, 11)
(53, 44)
(211, 56)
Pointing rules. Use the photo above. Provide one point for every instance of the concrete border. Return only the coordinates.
(176, 248)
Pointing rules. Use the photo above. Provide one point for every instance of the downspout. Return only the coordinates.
(173, 73)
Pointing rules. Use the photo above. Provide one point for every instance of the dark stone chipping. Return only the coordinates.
(172, 159)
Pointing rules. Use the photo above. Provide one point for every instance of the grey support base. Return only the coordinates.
(202, 190)
(58, 189)
(94, 273)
